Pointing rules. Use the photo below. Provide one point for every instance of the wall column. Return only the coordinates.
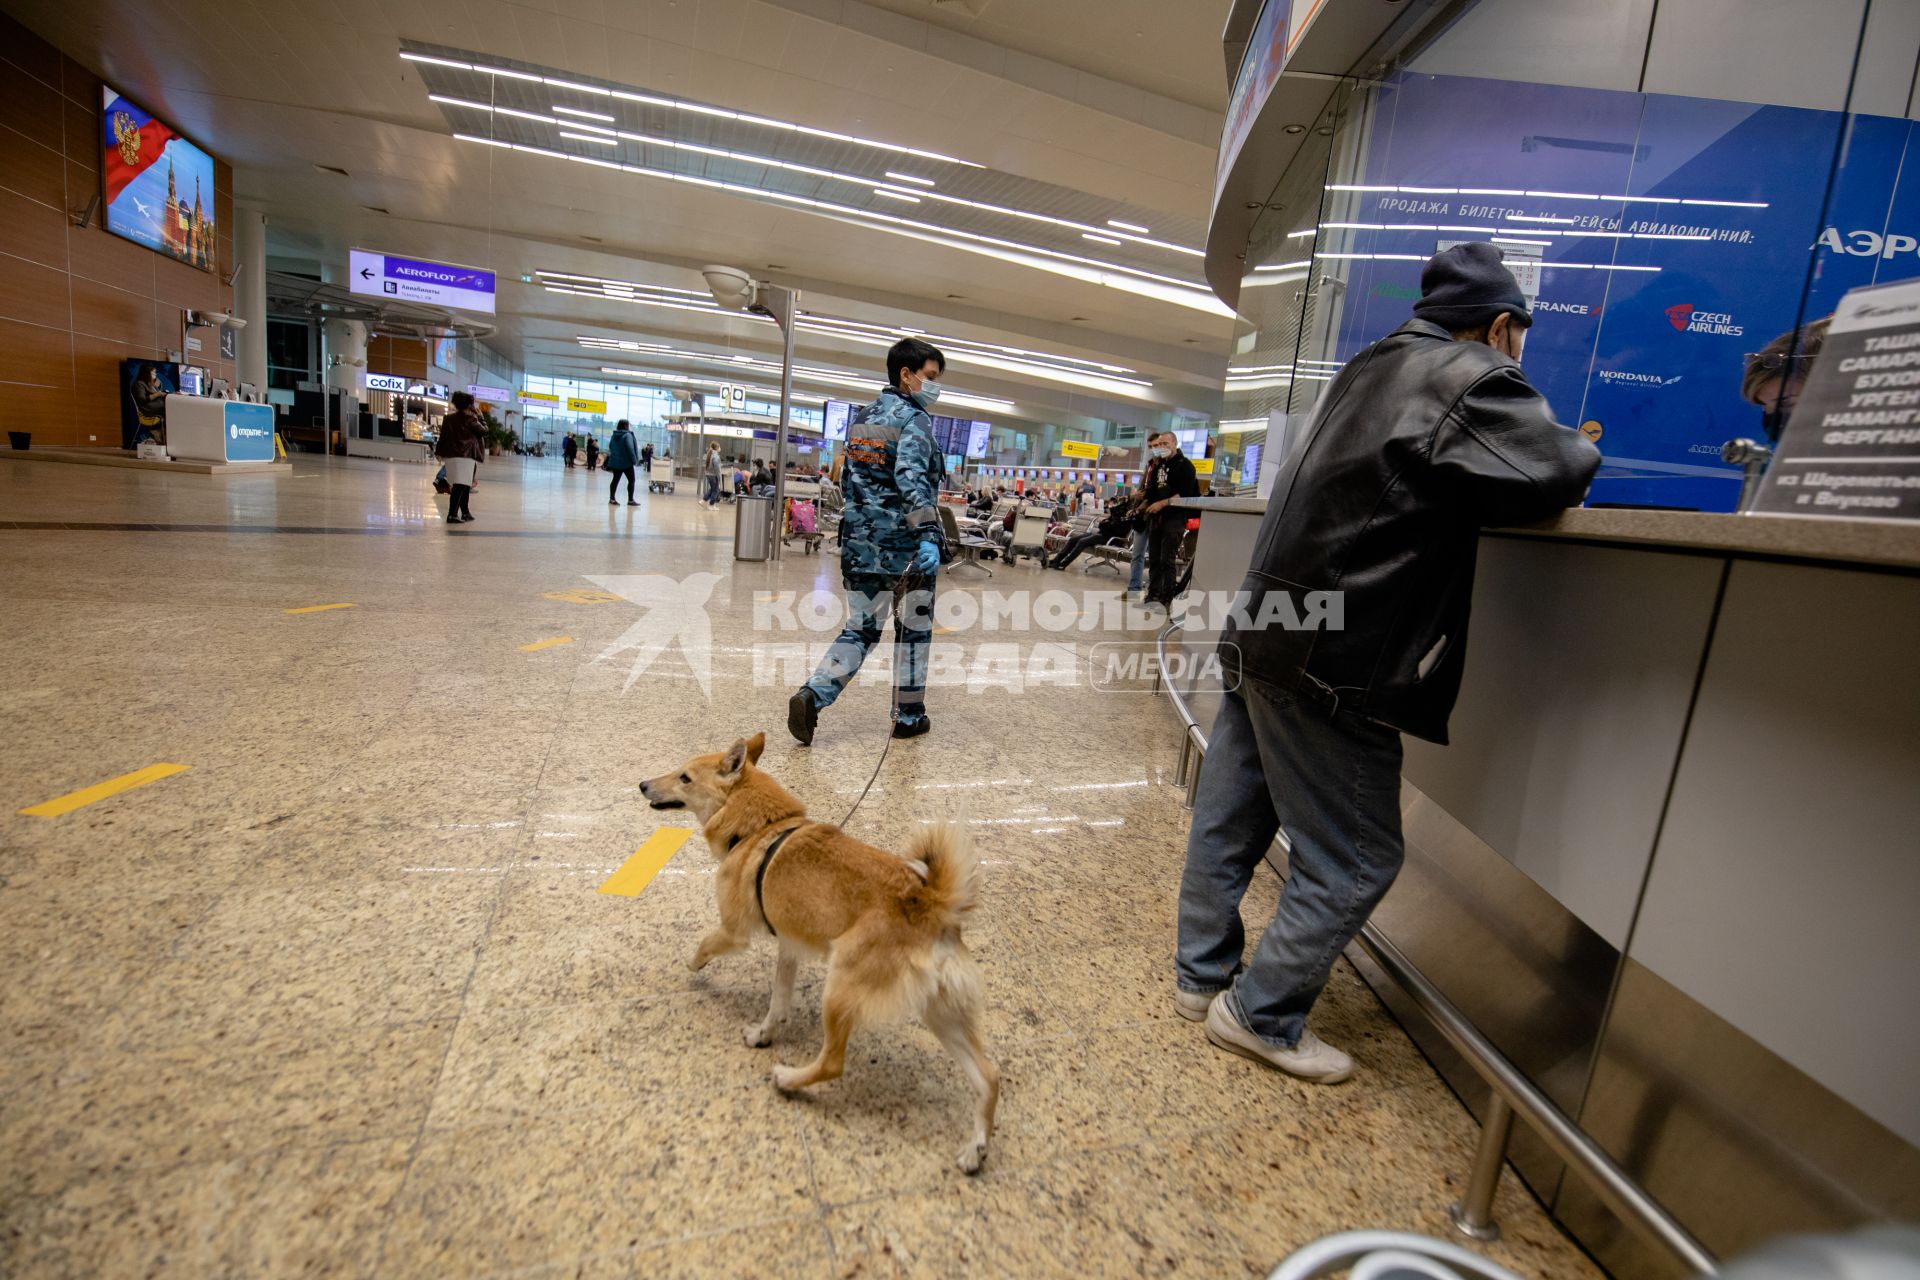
(250, 298)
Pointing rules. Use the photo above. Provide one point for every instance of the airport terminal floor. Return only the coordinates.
(342, 997)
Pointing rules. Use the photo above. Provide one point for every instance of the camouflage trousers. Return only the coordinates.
(870, 597)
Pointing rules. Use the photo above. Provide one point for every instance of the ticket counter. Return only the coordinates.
(1666, 864)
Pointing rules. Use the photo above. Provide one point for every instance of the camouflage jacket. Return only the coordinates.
(891, 483)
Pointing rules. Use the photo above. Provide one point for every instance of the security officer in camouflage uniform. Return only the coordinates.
(890, 543)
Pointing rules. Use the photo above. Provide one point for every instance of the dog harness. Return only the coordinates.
(760, 876)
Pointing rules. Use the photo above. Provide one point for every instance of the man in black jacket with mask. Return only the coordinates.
(1419, 441)
(1168, 476)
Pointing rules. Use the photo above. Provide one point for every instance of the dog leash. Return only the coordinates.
(900, 589)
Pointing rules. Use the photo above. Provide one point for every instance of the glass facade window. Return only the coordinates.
(1668, 240)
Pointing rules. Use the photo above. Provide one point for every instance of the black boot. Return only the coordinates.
(803, 715)
(455, 501)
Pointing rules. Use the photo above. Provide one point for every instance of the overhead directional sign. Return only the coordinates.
(1079, 449)
(538, 397)
(439, 284)
(733, 398)
(492, 395)
(576, 405)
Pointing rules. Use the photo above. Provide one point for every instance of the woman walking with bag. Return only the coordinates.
(621, 456)
(462, 445)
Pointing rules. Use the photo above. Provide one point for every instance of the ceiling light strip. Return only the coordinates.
(815, 171)
(682, 104)
(1095, 271)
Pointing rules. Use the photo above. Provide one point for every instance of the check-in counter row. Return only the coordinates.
(1670, 863)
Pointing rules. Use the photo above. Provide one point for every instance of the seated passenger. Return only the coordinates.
(1117, 523)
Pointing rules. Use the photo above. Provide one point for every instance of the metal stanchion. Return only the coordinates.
(1472, 1215)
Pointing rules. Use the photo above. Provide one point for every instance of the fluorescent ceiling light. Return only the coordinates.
(574, 85)
(1071, 370)
(817, 172)
(438, 62)
(1284, 266)
(1097, 238)
(579, 111)
(1128, 226)
(909, 177)
(1092, 270)
(588, 137)
(681, 104)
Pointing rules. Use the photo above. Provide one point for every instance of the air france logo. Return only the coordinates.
(1683, 317)
(1567, 308)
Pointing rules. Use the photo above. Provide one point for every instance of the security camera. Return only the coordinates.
(731, 287)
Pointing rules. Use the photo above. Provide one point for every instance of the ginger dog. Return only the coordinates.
(889, 926)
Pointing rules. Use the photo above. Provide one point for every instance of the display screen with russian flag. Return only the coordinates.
(157, 187)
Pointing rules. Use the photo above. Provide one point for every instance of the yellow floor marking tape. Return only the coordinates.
(581, 595)
(637, 872)
(538, 645)
(321, 608)
(101, 790)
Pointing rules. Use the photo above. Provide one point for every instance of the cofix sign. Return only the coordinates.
(439, 284)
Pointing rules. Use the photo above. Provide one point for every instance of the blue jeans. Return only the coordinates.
(1140, 539)
(713, 489)
(1332, 781)
(870, 596)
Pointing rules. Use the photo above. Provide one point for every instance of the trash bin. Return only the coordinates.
(20, 439)
(752, 527)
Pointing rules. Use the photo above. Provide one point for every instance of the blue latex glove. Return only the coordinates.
(926, 560)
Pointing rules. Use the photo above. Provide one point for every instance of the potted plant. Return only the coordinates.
(498, 437)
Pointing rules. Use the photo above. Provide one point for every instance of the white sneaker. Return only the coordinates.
(1192, 1005)
(1312, 1059)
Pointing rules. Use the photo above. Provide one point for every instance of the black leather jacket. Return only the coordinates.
(1418, 442)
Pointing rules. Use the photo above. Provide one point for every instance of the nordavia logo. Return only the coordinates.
(1683, 317)
(1625, 378)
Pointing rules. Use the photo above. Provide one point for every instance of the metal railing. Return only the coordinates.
(1512, 1092)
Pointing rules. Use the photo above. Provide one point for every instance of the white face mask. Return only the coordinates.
(929, 391)
(1162, 451)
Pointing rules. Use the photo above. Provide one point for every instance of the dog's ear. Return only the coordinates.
(735, 759)
(755, 745)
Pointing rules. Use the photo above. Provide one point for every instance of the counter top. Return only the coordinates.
(1896, 545)
(1872, 542)
(1249, 506)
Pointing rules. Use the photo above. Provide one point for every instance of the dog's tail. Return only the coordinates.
(946, 851)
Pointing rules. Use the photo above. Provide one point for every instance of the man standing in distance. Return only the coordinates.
(1419, 441)
(1170, 475)
(890, 543)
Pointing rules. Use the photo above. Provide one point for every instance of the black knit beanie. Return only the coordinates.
(1467, 286)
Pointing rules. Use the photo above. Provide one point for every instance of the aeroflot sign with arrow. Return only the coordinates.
(439, 284)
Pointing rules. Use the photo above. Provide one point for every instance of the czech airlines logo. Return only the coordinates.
(1683, 317)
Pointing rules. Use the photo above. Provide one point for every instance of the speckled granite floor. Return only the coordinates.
(341, 999)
